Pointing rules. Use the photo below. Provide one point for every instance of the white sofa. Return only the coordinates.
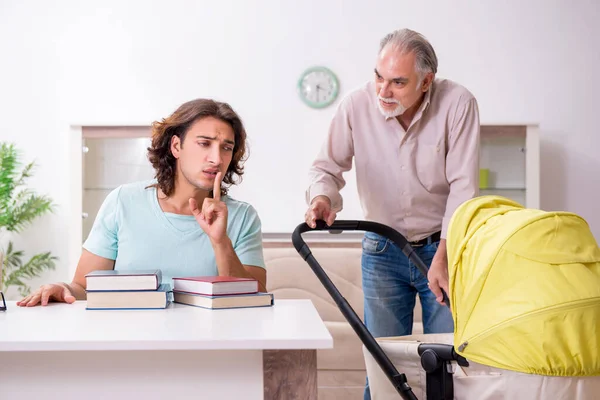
(341, 370)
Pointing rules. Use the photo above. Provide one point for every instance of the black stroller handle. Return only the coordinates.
(375, 227)
(435, 358)
(398, 380)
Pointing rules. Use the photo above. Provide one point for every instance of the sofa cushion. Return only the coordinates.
(347, 351)
(290, 277)
(341, 384)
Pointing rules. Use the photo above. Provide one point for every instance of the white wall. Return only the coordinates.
(70, 62)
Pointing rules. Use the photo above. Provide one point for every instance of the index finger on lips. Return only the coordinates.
(217, 187)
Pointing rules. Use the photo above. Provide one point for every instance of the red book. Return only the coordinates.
(215, 285)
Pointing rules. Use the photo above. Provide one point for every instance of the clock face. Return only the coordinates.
(318, 87)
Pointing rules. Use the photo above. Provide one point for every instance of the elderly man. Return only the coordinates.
(415, 143)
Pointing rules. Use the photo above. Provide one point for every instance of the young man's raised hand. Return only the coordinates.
(212, 217)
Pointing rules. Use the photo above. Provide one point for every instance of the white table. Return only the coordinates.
(65, 352)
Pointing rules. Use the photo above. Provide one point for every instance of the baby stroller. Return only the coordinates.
(525, 299)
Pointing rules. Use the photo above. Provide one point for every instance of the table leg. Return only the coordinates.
(290, 374)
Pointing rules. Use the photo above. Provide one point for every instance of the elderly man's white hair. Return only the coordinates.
(407, 41)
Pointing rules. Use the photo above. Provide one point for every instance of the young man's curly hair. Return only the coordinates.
(177, 124)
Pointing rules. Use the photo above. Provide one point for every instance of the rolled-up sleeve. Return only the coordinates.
(334, 158)
(462, 160)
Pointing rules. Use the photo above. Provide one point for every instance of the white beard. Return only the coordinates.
(399, 110)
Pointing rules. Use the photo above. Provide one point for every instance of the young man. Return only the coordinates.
(183, 222)
(415, 143)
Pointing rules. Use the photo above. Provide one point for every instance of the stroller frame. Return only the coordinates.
(436, 358)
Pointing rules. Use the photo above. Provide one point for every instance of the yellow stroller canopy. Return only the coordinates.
(524, 288)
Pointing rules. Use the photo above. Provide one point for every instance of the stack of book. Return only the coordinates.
(219, 292)
(126, 290)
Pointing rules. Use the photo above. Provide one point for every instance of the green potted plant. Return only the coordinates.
(19, 206)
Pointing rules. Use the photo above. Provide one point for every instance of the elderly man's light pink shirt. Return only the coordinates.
(410, 180)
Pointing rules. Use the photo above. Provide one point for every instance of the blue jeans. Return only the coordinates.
(390, 285)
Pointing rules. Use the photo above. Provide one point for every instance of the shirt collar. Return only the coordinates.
(427, 99)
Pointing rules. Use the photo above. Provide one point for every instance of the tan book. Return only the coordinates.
(224, 301)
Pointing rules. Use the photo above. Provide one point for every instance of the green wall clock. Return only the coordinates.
(318, 87)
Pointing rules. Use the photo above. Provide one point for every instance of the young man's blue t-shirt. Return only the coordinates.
(132, 229)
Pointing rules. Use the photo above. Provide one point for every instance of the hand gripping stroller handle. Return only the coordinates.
(398, 380)
(369, 226)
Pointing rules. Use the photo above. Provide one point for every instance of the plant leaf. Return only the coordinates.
(34, 267)
(19, 206)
